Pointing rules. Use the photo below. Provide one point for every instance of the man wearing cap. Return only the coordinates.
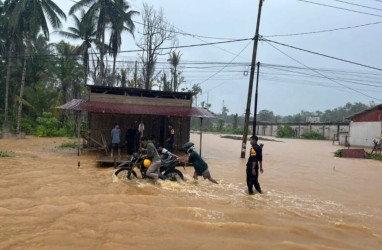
(153, 156)
(254, 164)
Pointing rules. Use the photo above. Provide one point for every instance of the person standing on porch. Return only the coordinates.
(141, 128)
(171, 139)
(115, 139)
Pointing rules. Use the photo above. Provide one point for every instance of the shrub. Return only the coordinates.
(285, 131)
(49, 126)
(338, 153)
(68, 145)
(232, 131)
(6, 154)
(313, 135)
(377, 157)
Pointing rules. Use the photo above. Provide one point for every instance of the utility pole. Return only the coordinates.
(250, 88)
(256, 98)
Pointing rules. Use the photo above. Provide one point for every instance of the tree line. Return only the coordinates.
(38, 75)
(234, 123)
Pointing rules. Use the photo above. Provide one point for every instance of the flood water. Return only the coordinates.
(311, 200)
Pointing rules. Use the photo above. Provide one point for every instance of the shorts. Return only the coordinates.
(115, 145)
(206, 174)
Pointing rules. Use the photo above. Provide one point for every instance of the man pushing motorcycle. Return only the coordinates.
(200, 166)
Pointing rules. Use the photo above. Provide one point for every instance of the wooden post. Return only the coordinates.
(201, 136)
(78, 132)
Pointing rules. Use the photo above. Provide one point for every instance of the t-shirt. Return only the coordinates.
(141, 128)
(255, 155)
(152, 152)
(199, 164)
(115, 135)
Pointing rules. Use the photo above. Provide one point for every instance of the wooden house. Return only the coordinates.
(130, 107)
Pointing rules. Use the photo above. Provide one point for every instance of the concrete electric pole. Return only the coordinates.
(251, 79)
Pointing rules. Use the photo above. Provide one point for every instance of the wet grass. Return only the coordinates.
(68, 145)
(6, 154)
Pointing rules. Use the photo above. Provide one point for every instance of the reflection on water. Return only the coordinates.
(47, 203)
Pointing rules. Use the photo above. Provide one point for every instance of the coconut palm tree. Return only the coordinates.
(67, 68)
(30, 17)
(174, 61)
(12, 40)
(84, 29)
(120, 22)
(101, 9)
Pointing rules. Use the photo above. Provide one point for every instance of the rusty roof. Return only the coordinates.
(376, 107)
(128, 109)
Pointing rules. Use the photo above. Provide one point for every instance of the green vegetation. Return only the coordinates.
(312, 135)
(6, 153)
(285, 132)
(38, 76)
(338, 153)
(68, 145)
(377, 157)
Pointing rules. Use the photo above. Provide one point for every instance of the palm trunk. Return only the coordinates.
(175, 80)
(86, 66)
(101, 59)
(114, 61)
(20, 109)
(6, 97)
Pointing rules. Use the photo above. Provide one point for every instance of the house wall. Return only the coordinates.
(138, 100)
(363, 133)
(156, 126)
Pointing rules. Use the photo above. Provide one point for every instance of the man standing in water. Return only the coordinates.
(115, 139)
(254, 164)
(153, 156)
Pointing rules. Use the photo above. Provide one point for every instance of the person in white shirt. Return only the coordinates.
(141, 128)
(165, 153)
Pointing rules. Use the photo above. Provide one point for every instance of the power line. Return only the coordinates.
(340, 8)
(233, 59)
(320, 54)
(323, 31)
(140, 50)
(318, 72)
(359, 5)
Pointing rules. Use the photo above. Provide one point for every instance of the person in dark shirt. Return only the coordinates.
(171, 139)
(254, 164)
(200, 166)
(130, 140)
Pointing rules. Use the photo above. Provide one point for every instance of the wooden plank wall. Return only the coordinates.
(96, 97)
(103, 123)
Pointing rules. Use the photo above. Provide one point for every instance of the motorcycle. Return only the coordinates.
(131, 169)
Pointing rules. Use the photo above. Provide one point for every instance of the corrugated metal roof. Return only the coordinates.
(377, 107)
(128, 109)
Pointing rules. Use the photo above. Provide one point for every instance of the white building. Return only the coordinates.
(366, 126)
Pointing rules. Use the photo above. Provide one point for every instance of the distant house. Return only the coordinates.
(365, 126)
(313, 119)
(130, 107)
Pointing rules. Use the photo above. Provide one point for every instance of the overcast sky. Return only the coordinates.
(282, 94)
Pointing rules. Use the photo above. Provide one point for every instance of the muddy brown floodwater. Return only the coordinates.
(311, 200)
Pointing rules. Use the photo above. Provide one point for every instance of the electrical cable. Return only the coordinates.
(359, 92)
(320, 54)
(335, 7)
(324, 31)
